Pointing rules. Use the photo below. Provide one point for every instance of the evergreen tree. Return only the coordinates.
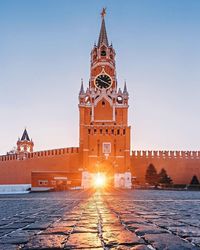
(194, 181)
(151, 176)
(163, 177)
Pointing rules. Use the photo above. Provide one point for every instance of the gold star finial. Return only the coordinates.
(103, 13)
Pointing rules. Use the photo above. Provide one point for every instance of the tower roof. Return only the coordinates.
(81, 92)
(125, 91)
(103, 39)
(25, 136)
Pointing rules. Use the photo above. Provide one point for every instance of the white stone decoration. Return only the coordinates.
(86, 180)
(122, 180)
(128, 183)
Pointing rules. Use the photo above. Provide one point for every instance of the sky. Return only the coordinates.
(45, 51)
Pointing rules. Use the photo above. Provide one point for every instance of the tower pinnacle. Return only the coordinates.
(103, 13)
(24, 145)
(125, 89)
(103, 39)
(81, 92)
(25, 136)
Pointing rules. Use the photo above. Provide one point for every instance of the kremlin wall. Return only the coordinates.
(104, 142)
(181, 166)
(65, 162)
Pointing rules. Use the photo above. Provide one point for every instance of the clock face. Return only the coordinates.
(103, 81)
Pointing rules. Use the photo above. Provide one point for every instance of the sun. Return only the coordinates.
(99, 180)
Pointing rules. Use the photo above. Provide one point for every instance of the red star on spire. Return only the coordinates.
(103, 13)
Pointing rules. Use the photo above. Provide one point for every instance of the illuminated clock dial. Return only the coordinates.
(103, 81)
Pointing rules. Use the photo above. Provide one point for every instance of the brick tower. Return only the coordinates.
(104, 130)
(24, 145)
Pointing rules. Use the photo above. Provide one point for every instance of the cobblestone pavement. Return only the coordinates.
(133, 219)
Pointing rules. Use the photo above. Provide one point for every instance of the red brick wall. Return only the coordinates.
(15, 171)
(180, 165)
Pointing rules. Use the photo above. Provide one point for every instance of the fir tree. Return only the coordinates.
(163, 177)
(194, 181)
(151, 175)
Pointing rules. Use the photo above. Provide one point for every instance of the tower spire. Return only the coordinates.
(125, 88)
(103, 39)
(25, 136)
(81, 92)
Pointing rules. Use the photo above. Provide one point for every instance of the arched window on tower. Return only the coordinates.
(103, 53)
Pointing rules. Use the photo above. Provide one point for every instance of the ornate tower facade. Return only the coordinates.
(24, 145)
(103, 108)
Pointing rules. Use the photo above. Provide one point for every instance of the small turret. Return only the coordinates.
(119, 92)
(24, 145)
(82, 92)
(125, 92)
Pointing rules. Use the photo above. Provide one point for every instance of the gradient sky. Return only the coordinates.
(45, 50)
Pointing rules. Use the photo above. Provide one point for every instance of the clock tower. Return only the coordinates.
(103, 109)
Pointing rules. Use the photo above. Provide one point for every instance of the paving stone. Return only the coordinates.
(138, 247)
(112, 227)
(45, 242)
(168, 223)
(85, 221)
(24, 233)
(85, 230)
(191, 221)
(88, 224)
(15, 225)
(91, 248)
(121, 237)
(9, 239)
(5, 231)
(64, 224)
(57, 230)
(195, 240)
(150, 217)
(109, 219)
(28, 220)
(38, 225)
(83, 240)
(150, 229)
(186, 231)
(5, 222)
(141, 247)
(168, 241)
(9, 247)
(134, 220)
(70, 218)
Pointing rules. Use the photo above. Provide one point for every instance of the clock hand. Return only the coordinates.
(103, 81)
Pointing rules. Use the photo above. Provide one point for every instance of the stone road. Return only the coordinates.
(133, 219)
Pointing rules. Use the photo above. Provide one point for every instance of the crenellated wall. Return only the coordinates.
(51, 152)
(167, 154)
(180, 165)
(15, 170)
